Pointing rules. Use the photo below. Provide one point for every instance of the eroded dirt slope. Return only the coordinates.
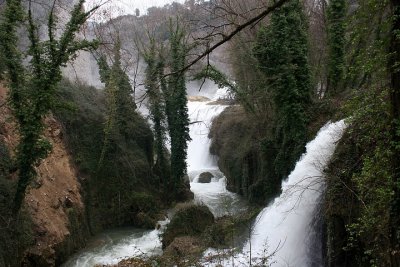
(53, 195)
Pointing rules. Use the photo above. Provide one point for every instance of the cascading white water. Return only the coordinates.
(113, 246)
(201, 115)
(214, 194)
(282, 229)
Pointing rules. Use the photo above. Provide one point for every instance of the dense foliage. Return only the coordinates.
(15, 234)
(282, 50)
(155, 88)
(120, 105)
(124, 178)
(177, 111)
(362, 205)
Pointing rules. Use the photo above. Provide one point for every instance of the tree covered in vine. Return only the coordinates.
(336, 18)
(121, 118)
(281, 50)
(155, 88)
(33, 86)
(177, 111)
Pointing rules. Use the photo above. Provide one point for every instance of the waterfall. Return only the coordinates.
(214, 194)
(201, 115)
(283, 229)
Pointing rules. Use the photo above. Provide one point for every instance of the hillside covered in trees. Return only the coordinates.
(174, 128)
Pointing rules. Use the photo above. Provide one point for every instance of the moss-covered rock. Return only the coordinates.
(189, 220)
(183, 251)
(183, 192)
(245, 155)
(205, 177)
(229, 231)
(360, 189)
(247, 147)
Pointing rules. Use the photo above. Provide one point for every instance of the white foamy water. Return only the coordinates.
(201, 115)
(283, 228)
(214, 194)
(113, 246)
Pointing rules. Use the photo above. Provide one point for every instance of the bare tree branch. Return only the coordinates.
(235, 32)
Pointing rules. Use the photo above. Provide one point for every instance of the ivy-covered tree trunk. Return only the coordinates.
(33, 85)
(121, 113)
(336, 14)
(282, 50)
(154, 84)
(177, 108)
(394, 70)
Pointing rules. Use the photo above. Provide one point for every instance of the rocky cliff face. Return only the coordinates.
(53, 200)
(245, 161)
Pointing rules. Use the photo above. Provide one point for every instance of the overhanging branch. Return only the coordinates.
(238, 29)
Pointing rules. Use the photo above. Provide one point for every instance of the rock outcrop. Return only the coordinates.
(205, 177)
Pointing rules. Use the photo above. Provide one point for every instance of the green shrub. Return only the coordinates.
(360, 186)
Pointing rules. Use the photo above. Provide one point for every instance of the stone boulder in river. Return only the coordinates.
(205, 177)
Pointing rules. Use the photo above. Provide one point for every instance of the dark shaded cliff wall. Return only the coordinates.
(244, 155)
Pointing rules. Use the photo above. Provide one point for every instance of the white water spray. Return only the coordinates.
(113, 246)
(214, 194)
(282, 230)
